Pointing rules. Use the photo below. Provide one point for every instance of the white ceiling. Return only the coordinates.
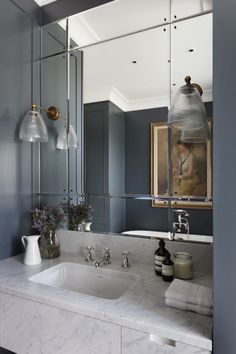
(44, 2)
(109, 73)
(116, 18)
(195, 34)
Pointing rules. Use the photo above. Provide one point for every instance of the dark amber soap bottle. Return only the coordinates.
(167, 269)
(160, 257)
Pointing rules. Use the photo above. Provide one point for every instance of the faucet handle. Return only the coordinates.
(107, 251)
(89, 257)
(125, 261)
(181, 212)
(89, 248)
(125, 253)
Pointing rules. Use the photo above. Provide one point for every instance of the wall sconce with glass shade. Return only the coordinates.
(33, 128)
(187, 113)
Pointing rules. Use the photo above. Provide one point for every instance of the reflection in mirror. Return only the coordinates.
(61, 170)
(53, 39)
(53, 93)
(191, 159)
(113, 20)
(126, 88)
(130, 68)
(187, 8)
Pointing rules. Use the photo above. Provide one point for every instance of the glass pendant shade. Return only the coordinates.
(64, 143)
(187, 110)
(33, 128)
(201, 135)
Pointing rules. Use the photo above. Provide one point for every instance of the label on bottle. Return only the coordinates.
(158, 262)
(167, 270)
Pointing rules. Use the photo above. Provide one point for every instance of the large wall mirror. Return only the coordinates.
(114, 76)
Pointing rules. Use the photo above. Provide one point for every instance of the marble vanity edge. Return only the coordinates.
(142, 250)
(195, 341)
(48, 296)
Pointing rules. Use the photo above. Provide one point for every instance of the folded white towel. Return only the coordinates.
(189, 307)
(190, 293)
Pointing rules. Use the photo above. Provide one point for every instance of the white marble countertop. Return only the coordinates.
(141, 307)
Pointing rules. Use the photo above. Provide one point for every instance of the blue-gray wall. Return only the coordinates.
(104, 161)
(15, 99)
(224, 177)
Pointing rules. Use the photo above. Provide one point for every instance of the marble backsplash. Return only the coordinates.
(142, 250)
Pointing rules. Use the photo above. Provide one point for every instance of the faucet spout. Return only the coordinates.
(182, 223)
(105, 259)
(102, 260)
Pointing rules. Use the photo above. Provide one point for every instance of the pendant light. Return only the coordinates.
(187, 110)
(196, 135)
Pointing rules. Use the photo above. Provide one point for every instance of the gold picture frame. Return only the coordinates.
(201, 184)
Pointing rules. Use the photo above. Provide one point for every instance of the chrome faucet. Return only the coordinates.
(106, 259)
(125, 260)
(182, 223)
(89, 258)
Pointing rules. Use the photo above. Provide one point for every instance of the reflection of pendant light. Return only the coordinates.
(187, 110)
(33, 128)
(196, 135)
(64, 141)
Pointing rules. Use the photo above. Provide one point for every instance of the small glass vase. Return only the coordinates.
(49, 244)
(87, 226)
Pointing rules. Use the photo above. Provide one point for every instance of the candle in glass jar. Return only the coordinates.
(183, 265)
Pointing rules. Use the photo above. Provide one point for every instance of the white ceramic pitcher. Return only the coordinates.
(32, 253)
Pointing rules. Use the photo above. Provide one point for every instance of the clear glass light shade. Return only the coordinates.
(33, 128)
(196, 135)
(187, 110)
(70, 142)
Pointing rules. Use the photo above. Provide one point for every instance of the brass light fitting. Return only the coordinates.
(53, 112)
(187, 111)
(188, 82)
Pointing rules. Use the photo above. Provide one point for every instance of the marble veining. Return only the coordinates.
(134, 341)
(140, 308)
(37, 328)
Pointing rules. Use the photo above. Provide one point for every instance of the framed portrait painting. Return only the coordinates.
(191, 169)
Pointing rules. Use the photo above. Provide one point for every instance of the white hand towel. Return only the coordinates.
(185, 291)
(189, 307)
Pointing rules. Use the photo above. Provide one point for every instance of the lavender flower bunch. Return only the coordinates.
(47, 219)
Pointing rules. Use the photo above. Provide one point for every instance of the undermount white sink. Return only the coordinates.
(99, 282)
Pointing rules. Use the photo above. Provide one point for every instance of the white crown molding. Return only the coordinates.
(116, 97)
(148, 103)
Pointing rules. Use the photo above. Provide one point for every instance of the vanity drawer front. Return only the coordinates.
(135, 342)
(28, 327)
